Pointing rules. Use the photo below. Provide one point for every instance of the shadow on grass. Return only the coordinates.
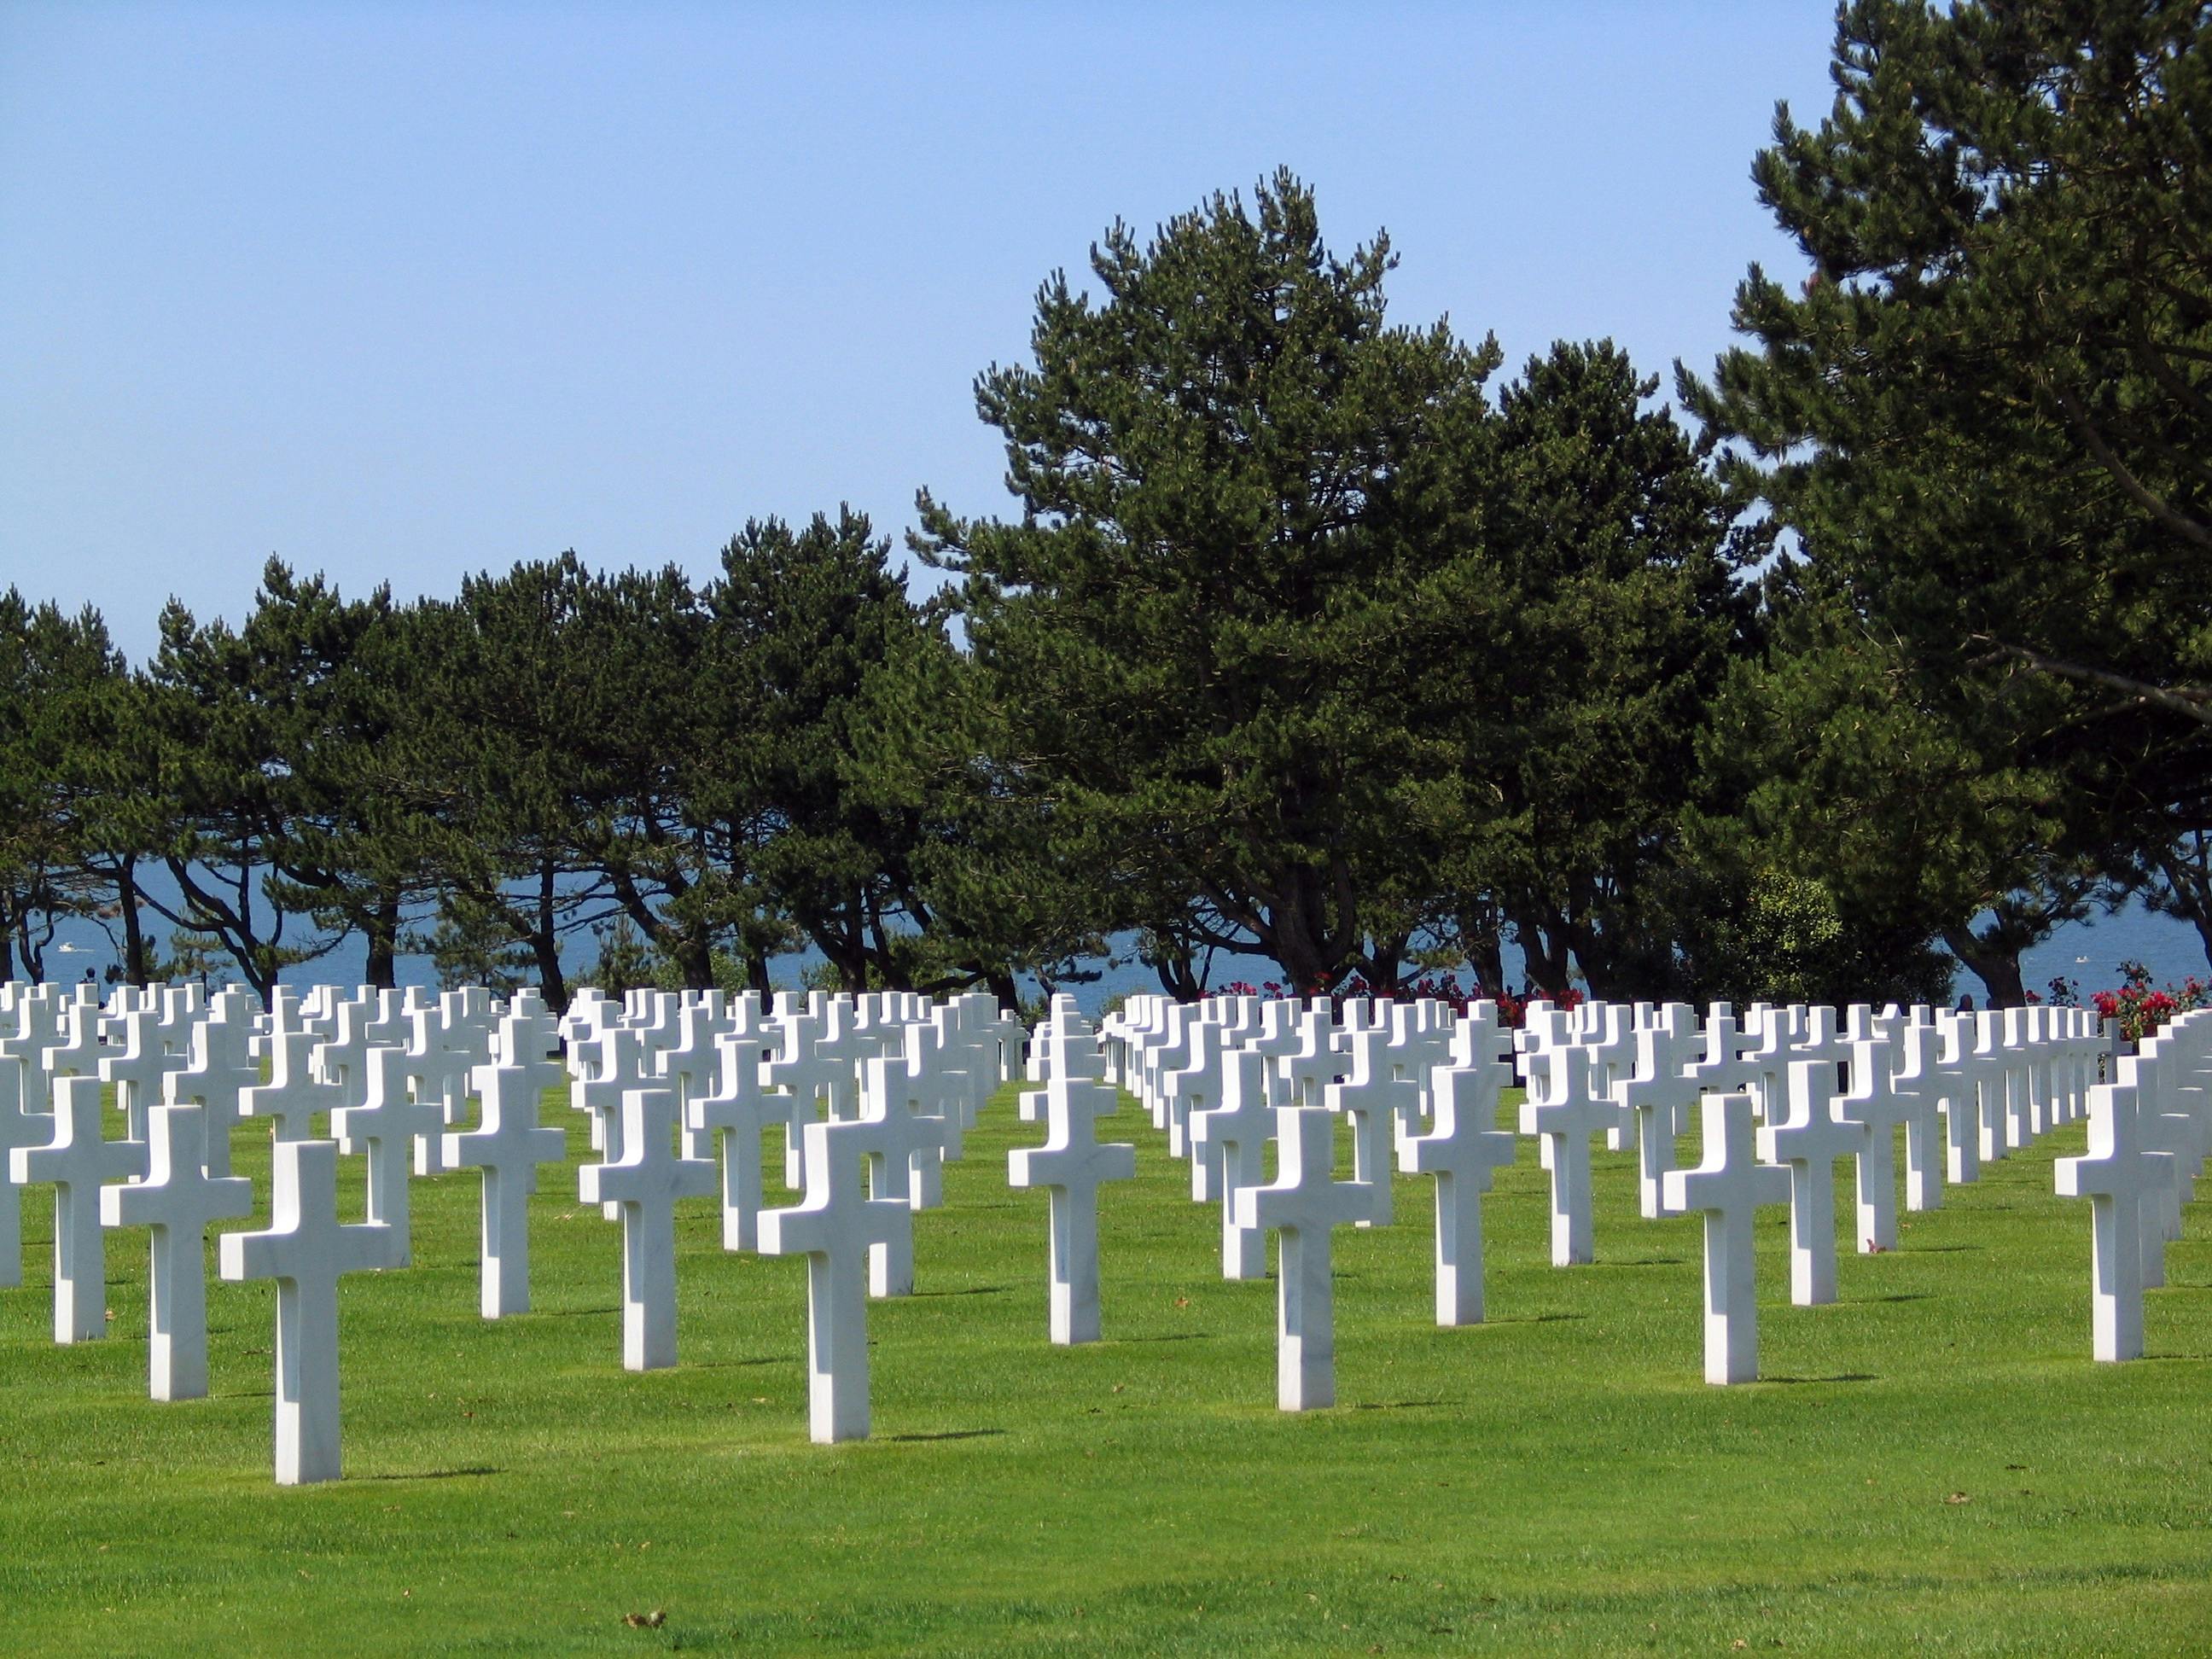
(972, 1290)
(438, 1475)
(1840, 1376)
(1639, 1261)
(738, 1364)
(1165, 1336)
(574, 1313)
(1397, 1405)
(1900, 1296)
(949, 1434)
(1937, 1249)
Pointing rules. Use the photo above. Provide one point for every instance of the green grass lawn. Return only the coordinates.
(1933, 1462)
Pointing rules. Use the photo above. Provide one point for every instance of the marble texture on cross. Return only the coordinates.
(1809, 1139)
(138, 1066)
(898, 1136)
(729, 1123)
(1659, 1096)
(2115, 1175)
(177, 1202)
(76, 1161)
(1729, 1187)
(836, 1228)
(1879, 1109)
(508, 1144)
(1235, 1133)
(383, 1125)
(1909, 1056)
(1071, 1166)
(1303, 1205)
(306, 1250)
(1375, 1099)
(221, 1070)
(293, 1094)
(1566, 1107)
(18, 1128)
(1463, 1148)
(39, 1014)
(645, 1184)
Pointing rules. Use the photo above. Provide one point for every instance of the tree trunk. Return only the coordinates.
(1481, 937)
(1997, 969)
(1545, 954)
(383, 930)
(134, 932)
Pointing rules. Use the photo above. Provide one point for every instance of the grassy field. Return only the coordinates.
(1934, 1463)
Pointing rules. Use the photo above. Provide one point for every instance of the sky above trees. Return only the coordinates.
(400, 293)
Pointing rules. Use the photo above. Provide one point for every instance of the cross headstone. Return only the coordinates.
(220, 1072)
(18, 1128)
(437, 1073)
(834, 1228)
(1911, 1060)
(1375, 1098)
(1809, 1139)
(76, 1161)
(645, 1183)
(293, 1094)
(1563, 1105)
(509, 1146)
(1236, 1132)
(1463, 1148)
(177, 1201)
(384, 1126)
(1879, 1109)
(306, 1250)
(900, 1135)
(1070, 1165)
(1729, 1187)
(1659, 1095)
(1302, 1204)
(138, 1066)
(2114, 1175)
(732, 1120)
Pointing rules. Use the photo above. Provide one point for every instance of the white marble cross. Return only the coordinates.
(18, 1128)
(645, 1183)
(1463, 1148)
(1879, 1109)
(900, 1135)
(437, 1073)
(138, 1068)
(1235, 1133)
(1810, 1140)
(1376, 1098)
(177, 1201)
(384, 1125)
(732, 1120)
(306, 1250)
(1660, 1096)
(1565, 1107)
(834, 1228)
(2115, 1175)
(292, 1095)
(221, 1068)
(1070, 1165)
(1955, 1074)
(39, 1015)
(1314, 1064)
(1302, 1206)
(1910, 1058)
(509, 1146)
(816, 1064)
(76, 1161)
(1729, 1187)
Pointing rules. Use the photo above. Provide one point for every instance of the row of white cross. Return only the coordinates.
(1785, 1093)
(873, 1094)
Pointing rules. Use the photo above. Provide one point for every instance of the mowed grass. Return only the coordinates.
(1933, 1462)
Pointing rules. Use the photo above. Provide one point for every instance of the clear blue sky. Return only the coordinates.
(399, 292)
